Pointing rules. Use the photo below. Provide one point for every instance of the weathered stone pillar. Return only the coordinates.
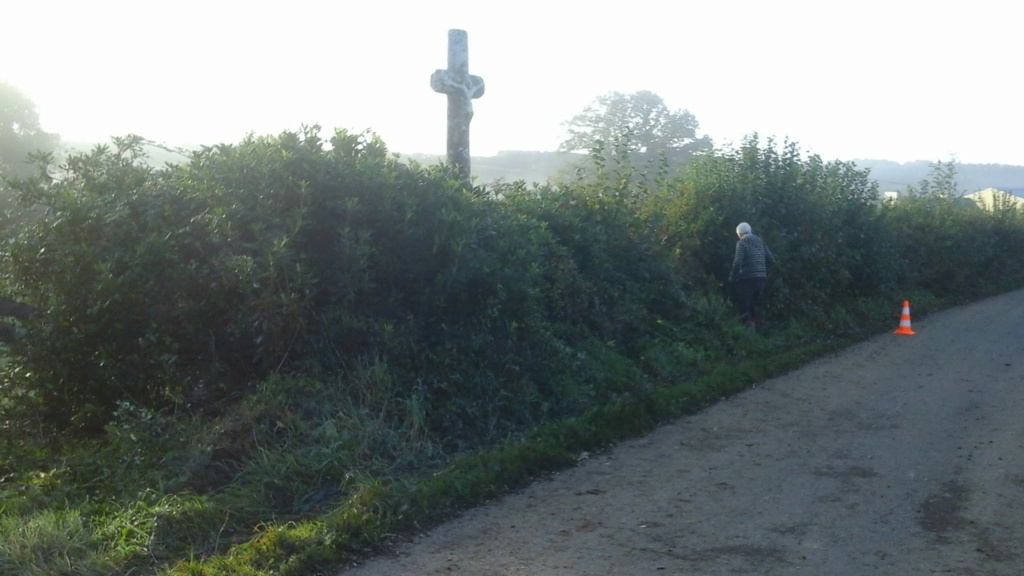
(462, 88)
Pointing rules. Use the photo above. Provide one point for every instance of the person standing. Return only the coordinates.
(750, 271)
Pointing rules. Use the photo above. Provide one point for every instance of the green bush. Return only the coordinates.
(948, 245)
(820, 219)
(183, 286)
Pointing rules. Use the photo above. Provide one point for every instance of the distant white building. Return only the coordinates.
(992, 198)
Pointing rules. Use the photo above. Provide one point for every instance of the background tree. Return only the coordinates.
(20, 137)
(640, 121)
(941, 182)
(20, 132)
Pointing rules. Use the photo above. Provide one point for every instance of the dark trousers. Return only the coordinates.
(750, 290)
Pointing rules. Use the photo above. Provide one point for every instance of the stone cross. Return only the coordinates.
(461, 88)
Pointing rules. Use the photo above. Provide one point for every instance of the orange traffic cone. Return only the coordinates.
(905, 321)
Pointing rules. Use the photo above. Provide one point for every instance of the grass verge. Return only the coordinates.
(378, 510)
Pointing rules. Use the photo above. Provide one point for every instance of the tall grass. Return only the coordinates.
(51, 543)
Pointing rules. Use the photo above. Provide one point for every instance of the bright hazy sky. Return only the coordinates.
(900, 80)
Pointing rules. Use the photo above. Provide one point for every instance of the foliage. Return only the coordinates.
(180, 287)
(642, 118)
(20, 132)
(949, 245)
(359, 524)
(941, 182)
(185, 284)
(51, 543)
(23, 146)
(283, 351)
(820, 219)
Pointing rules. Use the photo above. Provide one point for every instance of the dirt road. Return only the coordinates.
(901, 456)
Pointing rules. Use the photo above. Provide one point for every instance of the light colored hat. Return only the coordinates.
(743, 229)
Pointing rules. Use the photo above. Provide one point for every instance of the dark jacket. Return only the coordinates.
(752, 259)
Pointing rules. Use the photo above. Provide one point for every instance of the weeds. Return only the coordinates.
(51, 543)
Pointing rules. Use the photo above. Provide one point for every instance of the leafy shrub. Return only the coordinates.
(948, 245)
(183, 286)
(820, 219)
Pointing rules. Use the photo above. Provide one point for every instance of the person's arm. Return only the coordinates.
(737, 262)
